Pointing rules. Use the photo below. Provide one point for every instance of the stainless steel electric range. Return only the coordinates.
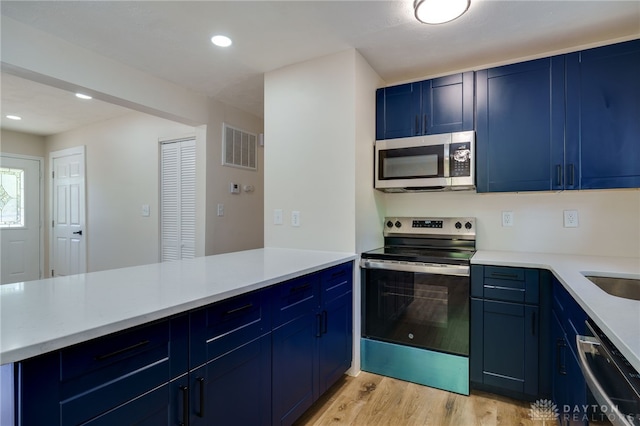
(415, 301)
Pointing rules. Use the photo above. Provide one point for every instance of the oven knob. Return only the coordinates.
(389, 224)
(468, 225)
(398, 224)
(458, 225)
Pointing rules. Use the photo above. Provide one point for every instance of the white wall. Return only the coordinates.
(22, 143)
(310, 135)
(122, 174)
(609, 221)
(319, 133)
(369, 204)
(242, 226)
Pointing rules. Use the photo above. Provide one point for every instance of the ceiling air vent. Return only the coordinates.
(239, 148)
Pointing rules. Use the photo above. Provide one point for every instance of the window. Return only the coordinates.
(239, 148)
(11, 197)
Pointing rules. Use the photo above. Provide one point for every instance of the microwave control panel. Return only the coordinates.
(460, 161)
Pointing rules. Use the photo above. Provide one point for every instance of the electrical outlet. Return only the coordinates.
(277, 217)
(220, 209)
(507, 218)
(571, 218)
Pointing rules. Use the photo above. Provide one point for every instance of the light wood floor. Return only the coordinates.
(372, 400)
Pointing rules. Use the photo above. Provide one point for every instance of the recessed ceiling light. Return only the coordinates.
(221, 41)
(13, 117)
(83, 96)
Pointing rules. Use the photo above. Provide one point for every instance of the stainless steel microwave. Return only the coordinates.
(426, 163)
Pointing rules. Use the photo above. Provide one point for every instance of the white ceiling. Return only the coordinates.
(170, 40)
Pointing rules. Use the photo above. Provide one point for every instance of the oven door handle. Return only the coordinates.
(589, 344)
(425, 268)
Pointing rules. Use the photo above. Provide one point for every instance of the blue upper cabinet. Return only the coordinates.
(440, 105)
(520, 126)
(603, 117)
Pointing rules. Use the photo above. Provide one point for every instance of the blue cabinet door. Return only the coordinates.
(234, 389)
(400, 111)
(447, 104)
(336, 343)
(520, 126)
(603, 116)
(510, 346)
(441, 105)
(294, 368)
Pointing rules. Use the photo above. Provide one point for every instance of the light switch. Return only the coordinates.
(277, 217)
(146, 210)
(220, 209)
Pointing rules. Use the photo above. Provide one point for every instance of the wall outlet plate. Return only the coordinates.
(507, 218)
(277, 217)
(295, 218)
(571, 219)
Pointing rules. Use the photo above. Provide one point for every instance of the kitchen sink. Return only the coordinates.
(627, 288)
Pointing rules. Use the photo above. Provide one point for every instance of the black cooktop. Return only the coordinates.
(420, 254)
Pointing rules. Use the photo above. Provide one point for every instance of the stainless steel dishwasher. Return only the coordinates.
(612, 380)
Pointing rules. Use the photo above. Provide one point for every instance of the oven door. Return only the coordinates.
(425, 306)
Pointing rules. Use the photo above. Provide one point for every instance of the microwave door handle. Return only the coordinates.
(587, 344)
(446, 160)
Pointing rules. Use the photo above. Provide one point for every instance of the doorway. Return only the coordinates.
(68, 211)
(21, 235)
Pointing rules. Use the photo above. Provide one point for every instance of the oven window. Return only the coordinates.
(410, 163)
(415, 309)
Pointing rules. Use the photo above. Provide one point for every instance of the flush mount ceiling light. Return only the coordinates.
(83, 96)
(13, 117)
(221, 41)
(439, 11)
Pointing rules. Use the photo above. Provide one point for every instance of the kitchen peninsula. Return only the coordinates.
(150, 325)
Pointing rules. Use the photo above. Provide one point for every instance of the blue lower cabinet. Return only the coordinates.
(312, 350)
(162, 406)
(260, 358)
(336, 342)
(568, 383)
(106, 376)
(510, 310)
(507, 348)
(234, 389)
(295, 360)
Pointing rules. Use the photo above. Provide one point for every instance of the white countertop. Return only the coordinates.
(40, 316)
(618, 318)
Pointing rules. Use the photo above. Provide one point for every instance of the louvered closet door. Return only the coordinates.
(178, 200)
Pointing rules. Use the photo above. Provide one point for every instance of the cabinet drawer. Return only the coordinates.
(294, 298)
(504, 273)
(336, 282)
(106, 359)
(505, 284)
(226, 325)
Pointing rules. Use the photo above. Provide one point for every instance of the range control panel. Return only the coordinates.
(430, 226)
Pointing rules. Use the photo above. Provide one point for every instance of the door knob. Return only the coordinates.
(78, 232)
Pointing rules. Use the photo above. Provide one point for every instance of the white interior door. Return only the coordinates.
(178, 200)
(68, 237)
(20, 219)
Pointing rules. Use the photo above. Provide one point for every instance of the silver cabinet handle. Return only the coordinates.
(587, 344)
